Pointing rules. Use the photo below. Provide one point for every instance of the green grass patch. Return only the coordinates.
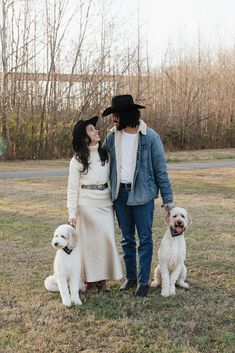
(195, 321)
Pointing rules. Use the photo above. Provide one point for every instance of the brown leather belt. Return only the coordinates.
(95, 186)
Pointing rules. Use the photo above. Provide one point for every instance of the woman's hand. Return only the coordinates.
(72, 222)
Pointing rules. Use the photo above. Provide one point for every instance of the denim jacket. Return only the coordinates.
(150, 172)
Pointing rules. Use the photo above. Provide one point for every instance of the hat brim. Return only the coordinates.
(81, 125)
(125, 107)
(92, 121)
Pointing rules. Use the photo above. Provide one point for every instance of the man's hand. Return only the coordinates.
(168, 206)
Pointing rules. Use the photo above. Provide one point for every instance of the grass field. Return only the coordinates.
(198, 320)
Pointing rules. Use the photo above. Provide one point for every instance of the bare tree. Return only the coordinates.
(6, 5)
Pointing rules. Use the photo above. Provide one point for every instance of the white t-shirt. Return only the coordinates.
(127, 157)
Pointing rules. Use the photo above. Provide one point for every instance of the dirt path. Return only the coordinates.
(64, 172)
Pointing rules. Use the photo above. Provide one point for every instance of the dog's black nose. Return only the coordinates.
(179, 223)
(55, 244)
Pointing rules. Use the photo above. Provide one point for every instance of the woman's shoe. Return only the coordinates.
(102, 286)
(91, 286)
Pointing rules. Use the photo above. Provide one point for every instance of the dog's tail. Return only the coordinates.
(82, 286)
(51, 284)
(157, 277)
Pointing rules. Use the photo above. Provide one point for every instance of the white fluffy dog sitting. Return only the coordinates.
(66, 275)
(171, 254)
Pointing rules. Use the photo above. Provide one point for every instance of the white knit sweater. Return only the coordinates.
(97, 174)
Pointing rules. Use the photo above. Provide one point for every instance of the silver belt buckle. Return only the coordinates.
(100, 187)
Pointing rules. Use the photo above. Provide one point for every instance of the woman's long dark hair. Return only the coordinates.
(81, 142)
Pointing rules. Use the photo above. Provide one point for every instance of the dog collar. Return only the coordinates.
(174, 233)
(67, 250)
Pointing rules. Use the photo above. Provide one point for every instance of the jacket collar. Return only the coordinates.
(142, 127)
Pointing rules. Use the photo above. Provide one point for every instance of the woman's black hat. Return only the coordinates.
(81, 125)
(120, 103)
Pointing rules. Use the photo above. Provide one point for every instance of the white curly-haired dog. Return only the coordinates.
(171, 269)
(66, 277)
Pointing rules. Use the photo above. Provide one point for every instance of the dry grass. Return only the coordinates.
(198, 320)
(6, 166)
(202, 155)
(179, 156)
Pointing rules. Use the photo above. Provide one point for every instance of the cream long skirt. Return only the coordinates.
(99, 255)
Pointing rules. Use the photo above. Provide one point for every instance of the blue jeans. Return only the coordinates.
(141, 219)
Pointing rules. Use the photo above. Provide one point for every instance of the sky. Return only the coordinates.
(183, 20)
(163, 24)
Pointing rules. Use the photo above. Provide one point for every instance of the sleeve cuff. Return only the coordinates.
(168, 205)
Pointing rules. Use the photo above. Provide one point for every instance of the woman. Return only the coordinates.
(90, 207)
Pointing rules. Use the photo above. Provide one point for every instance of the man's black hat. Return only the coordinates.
(120, 103)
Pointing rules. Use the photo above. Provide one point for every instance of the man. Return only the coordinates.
(137, 173)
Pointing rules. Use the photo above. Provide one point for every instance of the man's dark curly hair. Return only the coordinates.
(129, 118)
(80, 143)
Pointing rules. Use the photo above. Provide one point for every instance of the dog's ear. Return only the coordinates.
(189, 219)
(72, 241)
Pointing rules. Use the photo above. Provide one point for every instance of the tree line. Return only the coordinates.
(48, 82)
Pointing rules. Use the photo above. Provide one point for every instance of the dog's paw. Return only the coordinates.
(76, 301)
(154, 284)
(67, 302)
(165, 293)
(183, 285)
(172, 290)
